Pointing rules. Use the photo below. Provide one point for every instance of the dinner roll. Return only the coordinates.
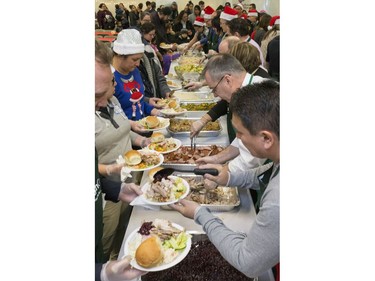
(152, 121)
(157, 137)
(149, 253)
(132, 157)
(172, 104)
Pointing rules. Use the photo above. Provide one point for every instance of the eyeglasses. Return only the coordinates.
(214, 89)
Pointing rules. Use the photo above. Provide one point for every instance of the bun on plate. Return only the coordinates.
(153, 171)
(157, 137)
(172, 104)
(149, 253)
(152, 121)
(132, 157)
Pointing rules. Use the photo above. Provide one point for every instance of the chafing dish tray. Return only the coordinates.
(204, 262)
(181, 127)
(202, 106)
(220, 199)
(183, 159)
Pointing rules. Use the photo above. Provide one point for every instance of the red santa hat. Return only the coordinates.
(136, 95)
(199, 21)
(252, 13)
(229, 14)
(274, 20)
(243, 16)
(208, 11)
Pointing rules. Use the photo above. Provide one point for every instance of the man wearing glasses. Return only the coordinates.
(224, 74)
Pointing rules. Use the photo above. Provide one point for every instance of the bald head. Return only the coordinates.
(228, 43)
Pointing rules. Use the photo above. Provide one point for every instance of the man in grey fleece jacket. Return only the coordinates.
(256, 120)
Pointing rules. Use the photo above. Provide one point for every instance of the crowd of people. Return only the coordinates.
(242, 69)
(198, 27)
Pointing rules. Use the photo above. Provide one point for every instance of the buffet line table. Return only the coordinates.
(239, 218)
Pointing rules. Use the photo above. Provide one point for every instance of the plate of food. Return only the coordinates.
(143, 159)
(165, 102)
(165, 45)
(173, 84)
(157, 245)
(165, 191)
(173, 108)
(153, 123)
(163, 145)
(173, 111)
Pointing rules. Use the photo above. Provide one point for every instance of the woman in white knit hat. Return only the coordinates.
(128, 50)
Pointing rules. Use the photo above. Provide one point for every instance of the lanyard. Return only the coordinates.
(251, 79)
(108, 114)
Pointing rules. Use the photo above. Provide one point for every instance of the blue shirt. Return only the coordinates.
(125, 83)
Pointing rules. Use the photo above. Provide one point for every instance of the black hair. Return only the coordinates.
(239, 25)
(147, 27)
(166, 11)
(258, 107)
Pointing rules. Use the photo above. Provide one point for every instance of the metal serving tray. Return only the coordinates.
(185, 167)
(197, 103)
(228, 195)
(201, 133)
(193, 114)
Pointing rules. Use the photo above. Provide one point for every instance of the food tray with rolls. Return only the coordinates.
(181, 127)
(220, 199)
(183, 159)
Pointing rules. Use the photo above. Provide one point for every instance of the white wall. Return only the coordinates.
(271, 6)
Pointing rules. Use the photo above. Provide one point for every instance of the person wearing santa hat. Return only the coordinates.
(239, 27)
(238, 8)
(226, 16)
(211, 40)
(273, 31)
(252, 17)
(128, 50)
(199, 27)
(261, 28)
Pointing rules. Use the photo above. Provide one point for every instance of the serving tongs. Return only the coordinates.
(166, 172)
(193, 143)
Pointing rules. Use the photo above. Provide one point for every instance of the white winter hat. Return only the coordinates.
(128, 42)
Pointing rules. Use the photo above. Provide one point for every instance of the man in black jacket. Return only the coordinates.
(159, 19)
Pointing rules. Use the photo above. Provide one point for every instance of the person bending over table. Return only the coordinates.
(256, 110)
(224, 74)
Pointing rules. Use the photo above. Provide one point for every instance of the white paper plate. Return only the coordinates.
(183, 253)
(176, 141)
(166, 46)
(174, 84)
(150, 202)
(172, 112)
(161, 157)
(164, 123)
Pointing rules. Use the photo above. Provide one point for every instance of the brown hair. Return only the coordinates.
(247, 55)
(103, 54)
